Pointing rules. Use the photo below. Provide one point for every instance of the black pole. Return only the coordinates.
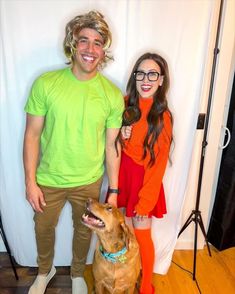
(204, 142)
(195, 215)
(4, 238)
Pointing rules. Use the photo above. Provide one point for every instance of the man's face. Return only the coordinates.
(89, 54)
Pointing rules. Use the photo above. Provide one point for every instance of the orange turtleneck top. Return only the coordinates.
(133, 147)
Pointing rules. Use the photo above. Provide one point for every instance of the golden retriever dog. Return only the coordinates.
(116, 263)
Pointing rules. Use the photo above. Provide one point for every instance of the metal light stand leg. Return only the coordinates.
(195, 217)
(2, 233)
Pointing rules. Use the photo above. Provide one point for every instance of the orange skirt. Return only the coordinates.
(131, 178)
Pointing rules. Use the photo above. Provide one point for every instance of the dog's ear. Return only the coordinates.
(126, 231)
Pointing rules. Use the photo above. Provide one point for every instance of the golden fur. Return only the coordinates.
(113, 235)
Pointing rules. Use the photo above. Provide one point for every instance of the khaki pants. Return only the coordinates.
(46, 222)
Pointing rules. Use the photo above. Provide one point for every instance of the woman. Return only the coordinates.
(146, 138)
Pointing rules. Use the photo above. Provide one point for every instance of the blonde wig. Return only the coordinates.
(93, 20)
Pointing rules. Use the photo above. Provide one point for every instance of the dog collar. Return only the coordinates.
(114, 257)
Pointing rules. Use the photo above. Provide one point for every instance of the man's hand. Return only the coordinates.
(112, 199)
(35, 197)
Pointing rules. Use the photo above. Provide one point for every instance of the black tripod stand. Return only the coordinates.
(2, 233)
(195, 215)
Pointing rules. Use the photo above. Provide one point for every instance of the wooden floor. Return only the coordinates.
(215, 275)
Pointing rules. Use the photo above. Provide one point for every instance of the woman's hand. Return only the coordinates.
(141, 221)
(140, 217)
(126, 132)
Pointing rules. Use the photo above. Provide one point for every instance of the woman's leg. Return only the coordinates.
(142, 229)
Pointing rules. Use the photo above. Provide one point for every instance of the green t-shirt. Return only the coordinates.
(77, 114)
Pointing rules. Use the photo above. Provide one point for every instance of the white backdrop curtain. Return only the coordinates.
(32, 33)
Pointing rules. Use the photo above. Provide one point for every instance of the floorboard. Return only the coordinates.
(215, 275)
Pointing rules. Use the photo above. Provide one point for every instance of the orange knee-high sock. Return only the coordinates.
(147, 259)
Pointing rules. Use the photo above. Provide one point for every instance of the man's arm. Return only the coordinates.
(112, 163)
(34, 126)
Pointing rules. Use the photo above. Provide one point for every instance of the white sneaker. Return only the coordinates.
(79, 286)
(41, 282)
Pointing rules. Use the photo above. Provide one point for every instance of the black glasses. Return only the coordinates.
(151, 75)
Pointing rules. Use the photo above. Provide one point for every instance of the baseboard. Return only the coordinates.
(2, 246)
(180, 245)
(188, 245)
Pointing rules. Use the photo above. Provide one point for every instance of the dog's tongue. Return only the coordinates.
(92, 220)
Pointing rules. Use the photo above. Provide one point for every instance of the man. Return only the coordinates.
(73, 118)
